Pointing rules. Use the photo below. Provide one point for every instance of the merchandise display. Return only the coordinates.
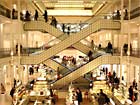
(40, 90)
(20, 96)
(71, 98)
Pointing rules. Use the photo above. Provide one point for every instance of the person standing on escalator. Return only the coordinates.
(36, 15)
(45, 15)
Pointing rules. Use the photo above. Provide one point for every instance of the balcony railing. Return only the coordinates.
(6, 52)
(5, 11)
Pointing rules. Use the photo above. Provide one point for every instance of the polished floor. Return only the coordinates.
(62, 102)
(5, 99)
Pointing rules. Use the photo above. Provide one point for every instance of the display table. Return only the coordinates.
(35, 95)
(40, 90)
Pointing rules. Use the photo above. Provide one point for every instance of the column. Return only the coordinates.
(129, 27)
(139, 80)
(122, 15)
(26, 76)
(117, 70)
(112, 38)
(138, 36)
(19, 9)
(1, 36)
(127, 74)
(1, 73)
(111, 68)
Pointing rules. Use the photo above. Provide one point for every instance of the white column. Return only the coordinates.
(19, 9)
(128, 75)
(1, 36)
(129, 27)
(111, 68)
(139, 80)
(139, 36)
(117, 70)
(122, 15)
(26, 76)
(1, 74)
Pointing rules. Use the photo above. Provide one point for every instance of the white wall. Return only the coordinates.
(37, 39)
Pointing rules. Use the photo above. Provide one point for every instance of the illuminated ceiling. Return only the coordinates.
(62, 7)
(70, 7)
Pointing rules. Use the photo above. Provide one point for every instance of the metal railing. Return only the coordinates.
(5, 11)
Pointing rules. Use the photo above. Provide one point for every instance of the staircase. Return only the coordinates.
(106, 59)
(70, 40)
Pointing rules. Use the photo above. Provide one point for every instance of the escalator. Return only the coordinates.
(54, 65)
(70, 40)
(45, 27)
(73, 75)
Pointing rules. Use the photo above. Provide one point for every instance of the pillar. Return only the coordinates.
(117, 70)
(122, 15)
(19, 9)
(138, 36)
(1, 36)
(112, 38)
(111, 68)
(139, 80)
(129, 27)
(26, 75)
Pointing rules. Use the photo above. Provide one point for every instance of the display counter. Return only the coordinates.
(38, 95)
(40, 90)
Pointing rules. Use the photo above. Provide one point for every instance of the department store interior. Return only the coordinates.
(54, 51)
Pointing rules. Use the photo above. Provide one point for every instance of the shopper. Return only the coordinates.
(27, 16)
(79, 96)
(12, 92)
(45, 15)
(126, 15)
(63, 27)
(31, 70)
(15, 82)
(68, 32)
(2, 89)
(103, 99)
(131, 93)
(13, 13)
(135, 84)
(109, 48)
(17, 48)
(118, 15)
(92, 45)
(99, 47)
(36, 15)
(125, 48)
(90, 53)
